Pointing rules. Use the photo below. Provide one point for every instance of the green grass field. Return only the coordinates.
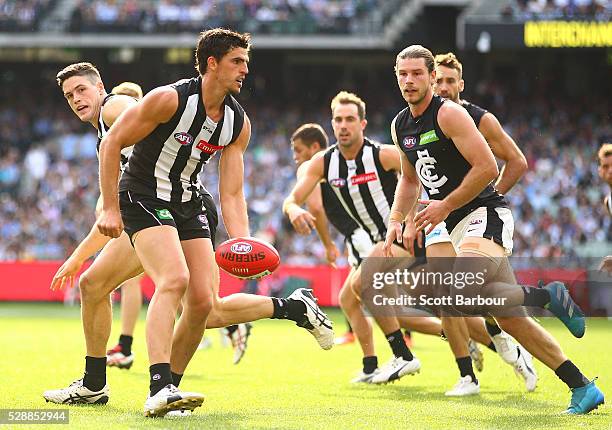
(286, 382)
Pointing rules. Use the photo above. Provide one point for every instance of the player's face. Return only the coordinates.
(303, 152)
(605, 169)
(348, 128)
(413, 79)
(447, 83)
(232, 69)
(83, 96)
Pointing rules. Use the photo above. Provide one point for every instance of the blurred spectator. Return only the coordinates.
(23, 15)
(559, 9)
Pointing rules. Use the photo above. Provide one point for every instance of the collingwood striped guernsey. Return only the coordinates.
(103, 129)
(167, 162)
(363, 187)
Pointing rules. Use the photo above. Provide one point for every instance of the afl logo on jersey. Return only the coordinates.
(409, 142)
(183, 138)
(338, 182)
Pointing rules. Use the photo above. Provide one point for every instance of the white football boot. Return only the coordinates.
(395, 368)
(505, 347)
(239, 339)
(465, 387)
(76, 393)
(525, 369)
(317, 323)
(169, 399)
(364, 378)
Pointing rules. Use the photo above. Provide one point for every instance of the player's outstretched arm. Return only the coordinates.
(231, 184)
(458, 126)
(132, 126)
(504, 148)
(302, 220)
(314, 204)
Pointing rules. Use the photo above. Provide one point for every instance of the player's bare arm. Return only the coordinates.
(94, 241)
(302, 220)
(404, 203)
(314, 204)
(231, 184)
(506, 149)
(157, 107)
(457, 125)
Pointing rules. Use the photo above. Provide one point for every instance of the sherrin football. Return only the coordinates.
(247, 257)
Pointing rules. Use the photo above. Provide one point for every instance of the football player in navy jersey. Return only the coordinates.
(449, 84)
(442, 150)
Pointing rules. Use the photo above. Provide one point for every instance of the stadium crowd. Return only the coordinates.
(22, 15)
(48, 174)
(600, 10)
(256, 16)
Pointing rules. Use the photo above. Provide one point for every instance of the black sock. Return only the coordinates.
(492, 328)
(95, 373)
(289, 309)
(370, 364)
(160, 377)
(571, 375)
(491, 346)
(231, 329)
(398, 345)
(537, 297)
(126, 344)
(465, 368)
(176, 378)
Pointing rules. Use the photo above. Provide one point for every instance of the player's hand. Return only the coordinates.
(303, 222)
(64, 277)
(606, 265)
(409, 235)
(331, 254)
(110, 223)
(434, 213)
(394, 232)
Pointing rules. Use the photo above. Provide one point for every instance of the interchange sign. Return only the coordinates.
(567, 34)
(485, 36)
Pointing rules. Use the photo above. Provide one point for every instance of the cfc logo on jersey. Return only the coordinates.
(425, 168)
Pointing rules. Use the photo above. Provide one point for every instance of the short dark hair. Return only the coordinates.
(216, 43)
(417, 51)
(451, 61)
(78, 69)
(309, 134)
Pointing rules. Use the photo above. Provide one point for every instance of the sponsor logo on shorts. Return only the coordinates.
(363, 178)
(409, 142)
(183, 138)
(428, 137)
(476, 221)
(241, 248)
(338, 182)
(163, 214)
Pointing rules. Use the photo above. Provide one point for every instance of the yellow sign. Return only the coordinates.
(567, 34)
